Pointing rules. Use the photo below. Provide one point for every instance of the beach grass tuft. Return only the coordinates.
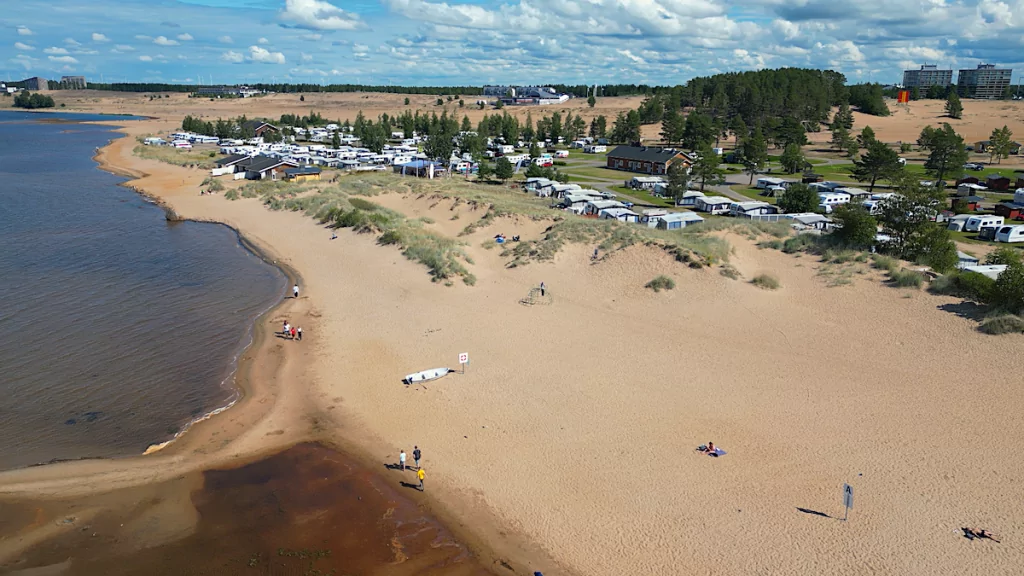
(766, 281)
(660, 283)
(1002, 324)
(906, 278)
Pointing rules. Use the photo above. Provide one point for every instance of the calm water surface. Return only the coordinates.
(116, 327)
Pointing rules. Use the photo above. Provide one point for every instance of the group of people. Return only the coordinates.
(500, 238)
(416, 455)
(291, 332)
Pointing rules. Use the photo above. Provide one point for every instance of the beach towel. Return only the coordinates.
(717, 452)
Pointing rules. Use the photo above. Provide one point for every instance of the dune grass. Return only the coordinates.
(348, 203)
(906, 278)
(1002, 324)
(766, 281)
(660, 283)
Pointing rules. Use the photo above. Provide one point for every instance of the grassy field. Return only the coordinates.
(203, 158)
(596, 173)
(643, 196)
(752, 193)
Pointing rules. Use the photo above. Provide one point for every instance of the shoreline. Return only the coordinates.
(266, 418)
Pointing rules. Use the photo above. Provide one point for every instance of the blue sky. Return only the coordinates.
(429, 42)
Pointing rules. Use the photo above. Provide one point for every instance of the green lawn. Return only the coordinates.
(643, 196)
(595, 173)
(752, 193)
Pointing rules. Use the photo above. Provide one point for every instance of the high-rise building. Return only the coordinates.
(73, 82)
(985, 81)
(929, 75)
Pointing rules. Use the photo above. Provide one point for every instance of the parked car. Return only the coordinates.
(977, 167)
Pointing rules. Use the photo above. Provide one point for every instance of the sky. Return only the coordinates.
(473, 42)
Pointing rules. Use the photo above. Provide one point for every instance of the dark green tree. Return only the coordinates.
(503, 169)
(954, 108)
(1000, 144)
(879, 163)
(792, 159)
(335, 140)
(946, 151)
(708, 168)
(866, 137)
(754, 153)
(908, 214)
(484, 170)
(672, 127)
(855, 227)
(591, 100)
(678, 182)
(799, 199)
(698, 131)
(406, 101)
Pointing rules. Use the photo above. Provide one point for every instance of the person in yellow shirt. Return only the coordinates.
(421, 476)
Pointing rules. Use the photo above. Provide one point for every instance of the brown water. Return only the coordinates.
(307, 511)
(118, 327)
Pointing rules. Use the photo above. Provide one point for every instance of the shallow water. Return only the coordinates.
(118, 327)
(306, 511)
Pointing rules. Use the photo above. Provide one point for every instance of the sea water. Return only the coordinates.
(117, 328)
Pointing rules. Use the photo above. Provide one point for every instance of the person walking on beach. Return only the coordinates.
(298, 332)
(401, 460)
(294, 332)
(287, 330)
(416, 456)
(295, 290)
(542, 289)
(421, 475)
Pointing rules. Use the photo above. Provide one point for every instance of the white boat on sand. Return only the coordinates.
(427, 375)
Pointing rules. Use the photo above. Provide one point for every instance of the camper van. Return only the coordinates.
(976, 223)
(1010, 234)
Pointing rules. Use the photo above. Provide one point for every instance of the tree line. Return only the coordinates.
(28, 100)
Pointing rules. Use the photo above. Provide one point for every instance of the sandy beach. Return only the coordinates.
(568, 444)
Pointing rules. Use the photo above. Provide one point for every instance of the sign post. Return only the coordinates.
(464, 359)
(847, 500)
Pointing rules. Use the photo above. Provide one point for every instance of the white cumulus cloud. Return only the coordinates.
(263, 41)
(164, 41)
(232, 56)
(185, 37)
(63, 59)
(225, 40)
(257, 54)
(124, 48)
(55, 50)
(145, 58)
(319, 15)
(72, 42)
(97, 37)
(22, 46)
(24, 31)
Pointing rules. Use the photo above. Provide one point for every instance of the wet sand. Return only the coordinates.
(307, 510)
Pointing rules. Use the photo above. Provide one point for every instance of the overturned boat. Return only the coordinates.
(427, 375)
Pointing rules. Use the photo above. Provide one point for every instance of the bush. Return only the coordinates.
(773, 244)
(730, 272)
(766, 281)
(1003, 324)
(231, 195)
(906, 278)
(661, 283)
(799, 243)
(968, 285)
(360, 204)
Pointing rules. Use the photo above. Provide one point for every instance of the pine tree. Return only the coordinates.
(671, 127)
(678, 182)
(954, 109)
(591, 101)
(708, 168)
(840, 138)
(879, 163)
(503, 169)
(792, 159)
(866, 137)
(754, 151)
(1000, 144)
(946, 151)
